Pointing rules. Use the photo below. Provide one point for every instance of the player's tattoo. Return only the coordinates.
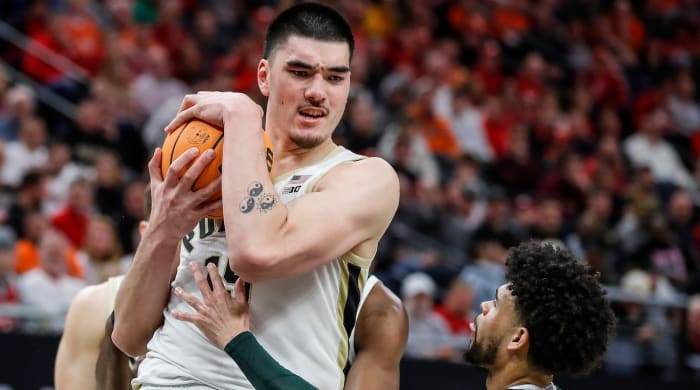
(257, 199)
(266, 201)
(255, 189)
(247, 205)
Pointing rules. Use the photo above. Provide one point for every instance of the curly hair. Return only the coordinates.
(562, 305)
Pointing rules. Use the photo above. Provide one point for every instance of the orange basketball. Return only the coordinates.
(202, 135)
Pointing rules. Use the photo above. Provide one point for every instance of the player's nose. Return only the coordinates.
(314, 92)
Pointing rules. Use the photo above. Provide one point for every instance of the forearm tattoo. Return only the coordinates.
(257, 199)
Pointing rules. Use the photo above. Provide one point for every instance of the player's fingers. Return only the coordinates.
(188, 317)
(216, 282)
(209, 207)
(201, 281)
(154, 170)
(187, 102)
(181, 118)
(196, 169)
(239, 291)
(171, 177)
(190, 299)
(210, 189)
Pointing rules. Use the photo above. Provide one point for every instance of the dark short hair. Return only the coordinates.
(310, 20)
(562, 305)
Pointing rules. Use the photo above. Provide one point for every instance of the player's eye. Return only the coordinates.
(300, 73)
(336, 79)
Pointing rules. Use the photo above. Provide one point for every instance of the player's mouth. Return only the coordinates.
(312, 115)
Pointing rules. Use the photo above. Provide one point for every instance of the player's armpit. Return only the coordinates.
(349, 209)
(80, 343)
(380, 336)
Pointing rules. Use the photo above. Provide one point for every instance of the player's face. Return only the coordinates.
(307, 82)
(491, 328)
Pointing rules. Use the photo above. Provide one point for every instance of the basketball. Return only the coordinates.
(202, 135)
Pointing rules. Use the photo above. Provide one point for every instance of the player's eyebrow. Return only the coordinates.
(304, 65)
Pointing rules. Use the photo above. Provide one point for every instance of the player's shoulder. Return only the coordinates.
(377, 169)
(382, 324)
(91, 300)
(382, 302)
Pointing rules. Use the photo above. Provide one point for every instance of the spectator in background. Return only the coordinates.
(154, 86)
(60, 171)
(644, 336)
(361, 132)
(27, 248)
(517, 169)
(488, 270)
(109, 183)
(404, 147)
(101, 254)
(549, 223)
(682, 106)
(49, 287)
(428, 335)
(8, 284)
(648, 148)
(83, 36)
(29, 198)
(134, 202)
(72, 220)
(456, 311)
(96, 130)
(28, 153)
(18, 104)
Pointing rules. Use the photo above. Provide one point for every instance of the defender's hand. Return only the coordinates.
(218, 315)
(211, 106)
(176, 208)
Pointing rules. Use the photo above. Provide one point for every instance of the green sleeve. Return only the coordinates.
(263, 372)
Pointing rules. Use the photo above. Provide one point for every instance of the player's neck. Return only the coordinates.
(515, 374)
(289, 157)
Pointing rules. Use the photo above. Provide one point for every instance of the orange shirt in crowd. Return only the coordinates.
(28, 258)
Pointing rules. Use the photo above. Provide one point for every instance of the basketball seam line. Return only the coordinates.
(177, 139)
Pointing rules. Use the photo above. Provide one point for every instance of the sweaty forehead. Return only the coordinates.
(314, 52)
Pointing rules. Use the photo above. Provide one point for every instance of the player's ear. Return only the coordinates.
(263, 77)
(519, 338)
(142, 227)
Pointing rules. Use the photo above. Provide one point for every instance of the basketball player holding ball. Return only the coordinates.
(305, 240)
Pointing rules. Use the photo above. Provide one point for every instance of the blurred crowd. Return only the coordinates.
(572, 121)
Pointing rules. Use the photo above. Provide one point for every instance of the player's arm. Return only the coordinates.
(350, 208)
(176, 209)
(112, 370)
(261, 369)
(225, 322)
(80, 343)
(380, 336)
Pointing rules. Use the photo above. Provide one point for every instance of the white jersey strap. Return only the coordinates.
(371, 282)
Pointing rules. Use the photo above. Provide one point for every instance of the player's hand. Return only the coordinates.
(212, 106)
(218, 315)
(176, 208)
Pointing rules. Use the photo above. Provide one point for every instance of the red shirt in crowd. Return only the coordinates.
(73, 224)
(458, 325)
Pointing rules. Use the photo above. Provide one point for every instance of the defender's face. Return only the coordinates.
(307, 82)
(491, 328)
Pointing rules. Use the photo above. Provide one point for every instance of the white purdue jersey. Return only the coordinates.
(304, 322)
(113, 284)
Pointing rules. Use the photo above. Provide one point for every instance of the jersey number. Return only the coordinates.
(224, 270)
